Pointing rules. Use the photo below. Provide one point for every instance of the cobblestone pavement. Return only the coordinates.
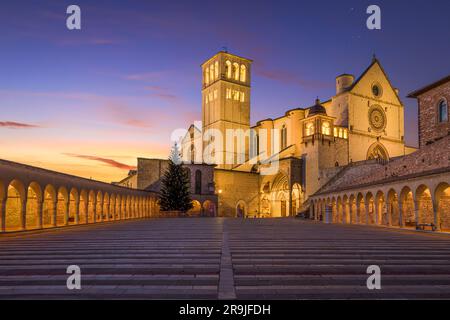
(215, 258)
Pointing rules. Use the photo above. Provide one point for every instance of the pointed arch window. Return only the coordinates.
(198, 182)
(283, 137)
(207, 76)
(309, 129)
(236, 71)
(216, 70)
(443, 111)
(326, 130)
(211, 73)
(228, 69)
(243, 73)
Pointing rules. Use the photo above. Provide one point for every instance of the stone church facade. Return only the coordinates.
(307, 146)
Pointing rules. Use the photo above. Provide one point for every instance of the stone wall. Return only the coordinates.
(429, 126)
(235, 186)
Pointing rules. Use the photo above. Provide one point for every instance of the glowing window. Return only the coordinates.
(216, 70)
(309, 129)
(243, 73)
(236, 71)
(242, 97)
(283, 137)
(340, 133)
(211, 73)
(207, 76)
(345, 134)
(215, 94)
(228, 69)
(335, 131)
(206, 99)
(228, 93)
(326, 128)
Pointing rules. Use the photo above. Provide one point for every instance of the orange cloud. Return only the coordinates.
(110, 162)
(17, 125)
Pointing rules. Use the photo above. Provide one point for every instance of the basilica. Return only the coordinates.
(273, 168)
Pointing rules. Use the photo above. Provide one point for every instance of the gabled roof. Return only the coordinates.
(417, 93)
(374, 61)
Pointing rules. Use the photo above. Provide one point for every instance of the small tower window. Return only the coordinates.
(243, 73)
(228, 69)
(443, 111)
(242, 97)
(326, 130)
(309, 129)
(207, 76)
(211, 73)
(236, 71)
(216, 70)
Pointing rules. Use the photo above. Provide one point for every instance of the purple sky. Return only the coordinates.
(89, 102)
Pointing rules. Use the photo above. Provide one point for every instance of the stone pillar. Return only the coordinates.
(94, 204)
(86, 210)
(400, 214)
(23, 213)
(437, 214)
(350, 209)
(54, 212)
(377, 212)
(100, 213)
(40, 210)
(66, 213)
(3, 214)
(77, 211)
(416, 210)
(366, 207)
(311, 211)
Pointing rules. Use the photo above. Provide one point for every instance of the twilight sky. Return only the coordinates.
(89, 102)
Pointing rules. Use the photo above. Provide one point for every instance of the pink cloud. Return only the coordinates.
(109, 162)
(17, 125)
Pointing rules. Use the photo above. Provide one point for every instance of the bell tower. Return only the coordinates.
(226, 101)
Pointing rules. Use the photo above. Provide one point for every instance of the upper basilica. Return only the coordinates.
(362, 122)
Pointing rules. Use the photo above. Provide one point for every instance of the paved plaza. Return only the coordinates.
(217, 258)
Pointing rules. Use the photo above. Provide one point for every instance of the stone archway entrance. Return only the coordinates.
(241, 209)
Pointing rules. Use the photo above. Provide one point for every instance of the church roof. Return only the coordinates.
(429, 87)
(317, 109)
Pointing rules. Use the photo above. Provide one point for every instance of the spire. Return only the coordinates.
(374, 58)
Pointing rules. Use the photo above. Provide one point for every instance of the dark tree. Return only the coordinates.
(175, 189)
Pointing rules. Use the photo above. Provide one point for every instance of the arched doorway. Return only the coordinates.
(15, 206)
(209, 208)
(196, 209)
(377, 151)
(241, 209)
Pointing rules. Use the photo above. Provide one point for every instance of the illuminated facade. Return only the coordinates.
(363, 121)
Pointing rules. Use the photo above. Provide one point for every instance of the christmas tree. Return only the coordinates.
(175, 189)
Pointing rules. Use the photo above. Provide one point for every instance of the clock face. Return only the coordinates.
(377, 118)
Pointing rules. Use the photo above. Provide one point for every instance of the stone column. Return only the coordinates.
(377, 212)
(416, 210)
(366, 207)
(86, 210)
(100, 213)
(400, 214)
(66, 213)
(311, 211)
(3, 214)
(54, 212)
(437, 214)
(40, 210)
(77, 211)
(23, 213)
(350, 210)
(94, 204)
